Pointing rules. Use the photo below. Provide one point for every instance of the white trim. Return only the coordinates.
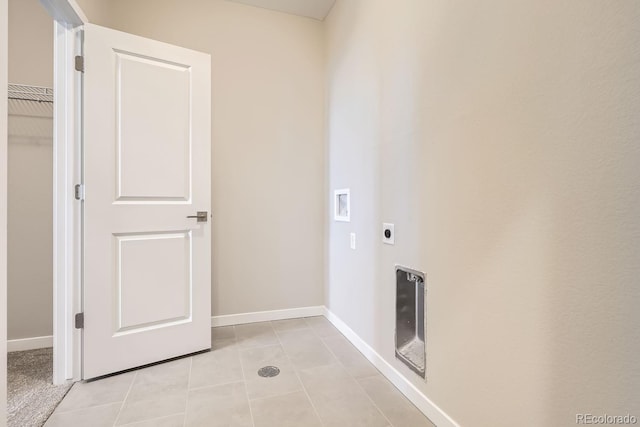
(29, 343)
(65, 11)
(66, 210)
(4, 48)
(67, 290)
(422, 402)
(265, 316)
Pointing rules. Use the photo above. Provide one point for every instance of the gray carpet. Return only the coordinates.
(31, 396)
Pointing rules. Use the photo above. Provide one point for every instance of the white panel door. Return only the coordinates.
(147, 266)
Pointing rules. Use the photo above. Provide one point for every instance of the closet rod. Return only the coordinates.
(27, 99)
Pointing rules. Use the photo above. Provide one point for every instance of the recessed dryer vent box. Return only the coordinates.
(410, 319)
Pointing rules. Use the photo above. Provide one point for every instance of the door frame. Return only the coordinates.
(67, 172)
(4, 48)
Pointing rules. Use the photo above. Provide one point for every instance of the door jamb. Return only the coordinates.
(4, 50)
(67, 172)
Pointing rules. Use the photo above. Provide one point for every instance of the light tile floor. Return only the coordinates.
(323, 381)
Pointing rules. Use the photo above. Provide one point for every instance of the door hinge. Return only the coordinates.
(79, 320)
(79, 192)
(80, 63)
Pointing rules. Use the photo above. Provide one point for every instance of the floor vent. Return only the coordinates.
(268, 371)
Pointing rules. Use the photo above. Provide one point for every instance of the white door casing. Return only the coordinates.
(147, 269)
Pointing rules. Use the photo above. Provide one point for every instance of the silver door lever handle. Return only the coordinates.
(201, 216)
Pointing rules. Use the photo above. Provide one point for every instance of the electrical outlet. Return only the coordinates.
(353, 240)
(388, 234)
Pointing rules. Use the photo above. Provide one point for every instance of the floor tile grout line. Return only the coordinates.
(86, 408)
(275, 395)
(374, 403)
(403, 397)
(345, 366)
(256, 347)
(290, 329)
(186, 403)
(239, 342)
(216, 385)
(312, 328)
(313, 333)
(126, 396)
(235, 338)
(355, 379)
(295, 370)
(321, 341)
(80, 382)
(323, 338)
(365, 377)
(244, 383)
(151, 419)
(336, 357)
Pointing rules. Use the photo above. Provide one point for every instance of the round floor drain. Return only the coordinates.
(268, 371)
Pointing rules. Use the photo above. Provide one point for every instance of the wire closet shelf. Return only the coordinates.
(30, 93)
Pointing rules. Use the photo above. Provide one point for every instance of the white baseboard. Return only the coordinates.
(29, 343)
(264, 316)
(422, 402)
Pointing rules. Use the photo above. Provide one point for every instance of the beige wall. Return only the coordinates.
(267, 144)
(95, 10)
(501, 138)
(30, 172)
(30, 44)
(30, 292)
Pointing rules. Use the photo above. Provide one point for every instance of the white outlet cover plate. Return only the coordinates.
(391, 240)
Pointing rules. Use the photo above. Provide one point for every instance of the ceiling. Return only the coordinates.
(316, 9)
